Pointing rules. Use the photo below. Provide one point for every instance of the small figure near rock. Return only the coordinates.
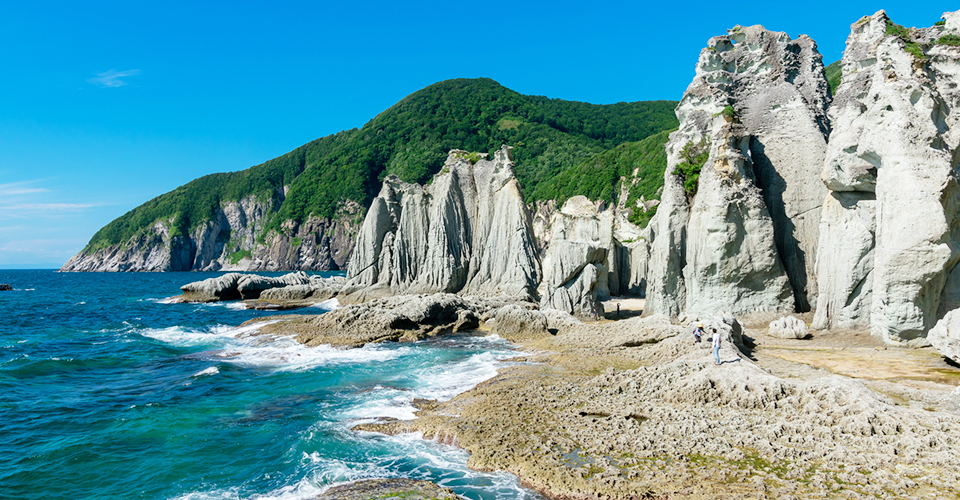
(5, 287)
(618, 309)
(716, 346)
(596, 315)
(698, 333)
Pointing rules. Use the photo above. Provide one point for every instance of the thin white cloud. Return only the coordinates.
(29, 210)
(14, 188)
(113, 78)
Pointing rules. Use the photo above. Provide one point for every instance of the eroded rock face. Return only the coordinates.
(890, 235)
(467, 232)
(744, 238)
(575, 267)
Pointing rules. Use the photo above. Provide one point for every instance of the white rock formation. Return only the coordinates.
(576, 262)
(745, 241)
(945, 336)
(890, 235)
(788, 327)
(467, 232)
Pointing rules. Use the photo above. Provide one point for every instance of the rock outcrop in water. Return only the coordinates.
(890, 234)
(466, 232)
(743, 237)
(236, 286)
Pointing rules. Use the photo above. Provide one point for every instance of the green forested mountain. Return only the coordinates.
(556, 146)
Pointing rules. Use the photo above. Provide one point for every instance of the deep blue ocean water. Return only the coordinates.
(107, 391)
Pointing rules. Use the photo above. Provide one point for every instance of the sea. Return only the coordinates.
(109, 390)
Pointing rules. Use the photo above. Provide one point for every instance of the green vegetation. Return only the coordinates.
(694, 157)
(951, 40)
(641, 164)
(411, 140)
(297, 241)
(834, 74)
(904, 35)
(729, 112)
(239, 255)
(940, 23)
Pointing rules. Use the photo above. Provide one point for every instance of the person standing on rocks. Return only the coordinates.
(716, 346)
(698, 333)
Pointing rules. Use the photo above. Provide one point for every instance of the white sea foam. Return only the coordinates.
(239, 345)
(327, 305)
(213, 370)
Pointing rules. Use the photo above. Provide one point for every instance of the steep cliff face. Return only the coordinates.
(742, 237)
(891, 223)
(466, 232)
(228, 242)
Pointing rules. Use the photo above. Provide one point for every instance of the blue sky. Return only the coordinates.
(104, 106)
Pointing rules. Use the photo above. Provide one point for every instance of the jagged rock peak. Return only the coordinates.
(891, 222)
(467, 231)
(742, 237)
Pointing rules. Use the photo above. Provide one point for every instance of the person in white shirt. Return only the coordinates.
(716, 346)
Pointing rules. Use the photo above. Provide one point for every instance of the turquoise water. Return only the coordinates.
(107, 391)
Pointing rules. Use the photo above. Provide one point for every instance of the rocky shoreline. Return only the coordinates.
(633, 409)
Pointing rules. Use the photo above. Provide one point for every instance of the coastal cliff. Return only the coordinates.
(229, 242)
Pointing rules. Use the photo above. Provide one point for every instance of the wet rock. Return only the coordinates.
(4, 287)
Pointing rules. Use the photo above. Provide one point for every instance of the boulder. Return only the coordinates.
(514, 323)
(788, 327)
(4, 287)
(468, 232)
(945, 336)
(742, 237)
(879, 266)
